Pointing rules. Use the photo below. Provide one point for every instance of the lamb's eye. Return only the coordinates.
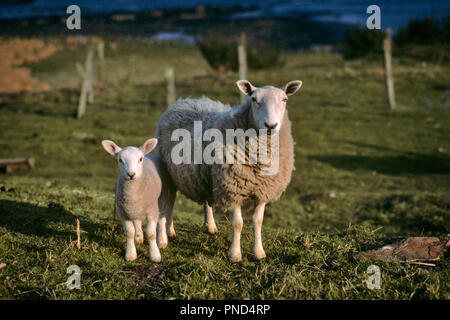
(284, 99)
(140, 160)
(120, 160)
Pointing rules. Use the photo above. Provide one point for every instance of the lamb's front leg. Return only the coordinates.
(130, 251)
(258, 216)
(150, 230)
(237, 222)
(210, 224)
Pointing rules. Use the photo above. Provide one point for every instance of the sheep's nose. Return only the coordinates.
(271, 126)
(131, 174)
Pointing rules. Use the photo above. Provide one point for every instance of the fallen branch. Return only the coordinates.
(412, 250)
(11, 165)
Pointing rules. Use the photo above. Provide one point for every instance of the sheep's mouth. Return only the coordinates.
(271, 132)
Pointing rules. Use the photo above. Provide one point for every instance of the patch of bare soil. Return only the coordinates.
(144, 276)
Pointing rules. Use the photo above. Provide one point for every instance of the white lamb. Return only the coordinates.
(142, 190)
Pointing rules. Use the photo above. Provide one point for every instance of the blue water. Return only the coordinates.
(394, 13)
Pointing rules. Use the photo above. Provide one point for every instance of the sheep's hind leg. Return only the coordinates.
(139, 237)
(169, 213)
(162, 232)
(130, 251)
(150, 229)
(210, 224)
(258, 216)
(235, 250)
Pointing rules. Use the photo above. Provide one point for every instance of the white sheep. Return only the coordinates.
(226, 186)
(142, 191)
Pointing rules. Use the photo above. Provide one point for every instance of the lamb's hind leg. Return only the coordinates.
(258, 216)
(150, 230)
(237, 222)
(210, 224)
(165, 220)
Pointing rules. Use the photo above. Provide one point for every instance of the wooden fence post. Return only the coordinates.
(170, 79)
(101, 60)
(242, 59)
(387, 49)
(87, 89)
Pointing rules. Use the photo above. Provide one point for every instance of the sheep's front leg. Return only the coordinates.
(130, 251)
(210, 224)
(258, 216)
(150, 230)
(237, 223)
(139, 237)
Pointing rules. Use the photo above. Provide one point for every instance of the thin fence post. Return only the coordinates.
(242, 59)
(90, 75)
(387, 49)
(170, 79)
(101, 61)
(87, 90)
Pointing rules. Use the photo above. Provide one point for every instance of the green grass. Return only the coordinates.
(365, 176)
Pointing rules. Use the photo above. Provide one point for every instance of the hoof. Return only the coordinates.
(235, 257)
(259, 254)
(172, 235)
(131, 257)
(211, 230)
(156, 259)
(162, 244)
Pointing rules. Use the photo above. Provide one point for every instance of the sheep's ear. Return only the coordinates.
(292, 87)
(149, 145)
(246, 87)
(111, 147)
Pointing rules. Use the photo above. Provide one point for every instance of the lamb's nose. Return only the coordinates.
(131, 175)
(271, 126)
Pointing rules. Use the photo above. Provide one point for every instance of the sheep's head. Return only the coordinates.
(130, 159)
(268, 103)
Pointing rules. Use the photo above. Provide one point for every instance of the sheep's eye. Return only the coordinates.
(120, 160)
(140, 160)
(285, 100)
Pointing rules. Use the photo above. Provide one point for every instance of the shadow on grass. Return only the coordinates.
(392, 165)
(30, 219)
(410, 215)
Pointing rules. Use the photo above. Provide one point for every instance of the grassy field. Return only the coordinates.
(365, 176)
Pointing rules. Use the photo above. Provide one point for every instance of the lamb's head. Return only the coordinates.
(268, 104)
(130, 159)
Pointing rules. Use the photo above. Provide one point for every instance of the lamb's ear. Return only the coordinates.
(246, 87)
(292, 87)
(149, 145)
(111, 147)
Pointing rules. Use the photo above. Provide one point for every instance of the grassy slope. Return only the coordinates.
(364, 176)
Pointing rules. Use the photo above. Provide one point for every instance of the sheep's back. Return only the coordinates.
(193, 180)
